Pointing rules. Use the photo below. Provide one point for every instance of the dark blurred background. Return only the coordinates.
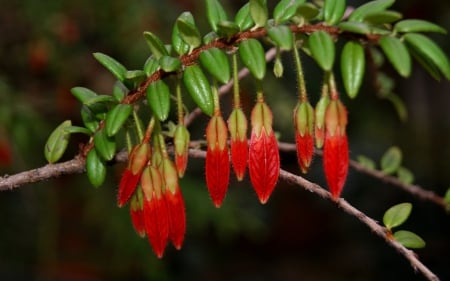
(63, 229)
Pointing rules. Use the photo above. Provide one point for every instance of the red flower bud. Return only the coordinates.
(137, 212)
(237, 125)
(304, 129)
(319, 129)
(181, 142)
(217, 166)
(264, 158)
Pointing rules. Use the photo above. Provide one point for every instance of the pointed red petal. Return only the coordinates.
(217, 174)
(263, 164)
(177, 217)
(137, 218)
(305, 150)
(239, 155)
(335, 160)
(156, 224)
(181, 163)
(127, 186)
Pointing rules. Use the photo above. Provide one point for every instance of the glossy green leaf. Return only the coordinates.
(429, 51)
(95, 168)
(83, 94)
(133, 78)
(259, 12)
(227, 28)
(188, 31)
(215, 13)
(115, 67)
(116, 117)
(353, 64)
(119, 91)
(307, 11)
(282, 36)
(158, 97)
(89, 119)
(333, 11)
(215, 61)
(285, 10)
(399, 106)
(391, 160)
(101, 99)
(178, 44)
(105, 146)
(77, 130)
(156, 45)
(322, 49)
(253, 57)
(209, 37)
(199, 88)
(57, 142)
(383, 17)
(169, 64)
(397, 215)
(409, 239)
(413, 25)
(355, 27)
(366, 162)
(428, 65)
(151, 65)
(370, 7)
(397, 54)
(243, 18)
(405, 175)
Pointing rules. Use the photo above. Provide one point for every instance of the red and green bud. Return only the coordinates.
(137, 212)
(304, 134)
(217, 159)
(335, 151)
(181, 142)
(138, 159)
(319, 130)
(264, 158)
(237, 125)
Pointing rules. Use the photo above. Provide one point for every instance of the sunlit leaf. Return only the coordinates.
(259, 12)
(156, 45)
(243, 18)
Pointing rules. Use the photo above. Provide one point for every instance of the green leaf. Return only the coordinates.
(133, 78)
(333, 11)
(413, 25)
(116, 117)
(57, 142)
(371, 7)
(119, 91)
(397, 54)
(169, 64)
(285, 10)
(77, 129)
(409, 239)
(227, 28)
(322, 49)
(383, 17)
(100, 99)
(215, 13)
(199, 88)
(151, 65)
(115, 67)
(259, 12)
(353, 63)
(399, 106)
(397, 215)
(95, 168)
(188, 31)
(282, 36)
(156, 45)
(307, 11)
(83, 94)
(405, 175)
(215, 61)
(366, 162)
(89, 118)
(391, 160)
(355, 27)
(429, 51)
(177, 42)
(253, 57)
(158, 97)
(105, 146)
(243, 18)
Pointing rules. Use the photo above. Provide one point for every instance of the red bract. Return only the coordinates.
(217, 166)
(137, 212)
(181, 143)
(264, 158)
(335, 150)
(304, 129)
(237, 125)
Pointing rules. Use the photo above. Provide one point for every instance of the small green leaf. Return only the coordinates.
(178, 44)
(119, 91)
(188, 31)
(89, 119)
(391, 160)
(413, 25)
(333, 11)
(95, 168)
(409, 239)
(243, 18)
(115, 67)
(282, 36)
(215, 61)
(252, 56)
(133, 78)
(158, 97)
(151, 65)
(169, 64)
(353, 64)
(371, 7)
(383, 17)
(156, 45)
(100, 99)
(399, 106)
(307, 11)
(199, 88)
(259, 12)
(405, 175)
(397, 215)
(227, 28)
(77, 130)
(322, 49)
(116, 117)
(83, 94)
(57, 142)
(215, 13)
(428, 50)
(366, 162)
(397, 54)
(355, 27)
(105, 146)
(285, 10)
